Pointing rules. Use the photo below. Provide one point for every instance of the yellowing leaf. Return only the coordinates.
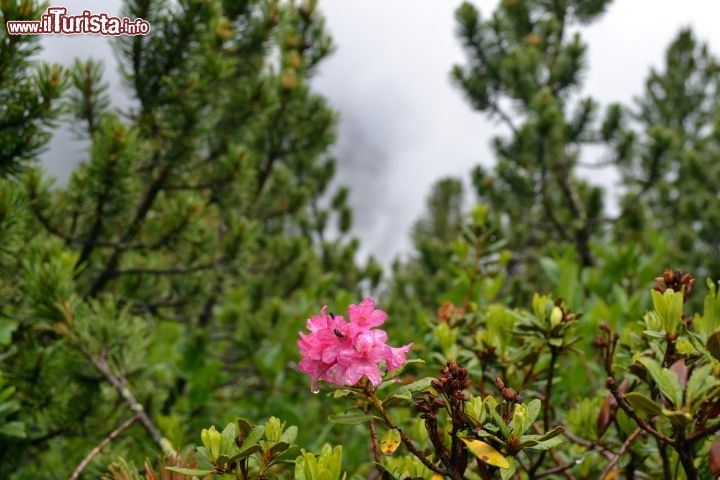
(612, 474)
(390, 442)
(486, 453)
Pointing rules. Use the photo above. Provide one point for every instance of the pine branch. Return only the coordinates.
(104, 443)
(101, 364)
(145, 204)
(96, 229)
(167, 271)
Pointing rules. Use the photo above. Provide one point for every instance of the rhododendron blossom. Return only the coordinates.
(342, 352)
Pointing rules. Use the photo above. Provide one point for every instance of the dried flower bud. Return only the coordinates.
(510, 395)
(676, 280)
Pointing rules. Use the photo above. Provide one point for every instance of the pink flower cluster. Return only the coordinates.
(342, 353)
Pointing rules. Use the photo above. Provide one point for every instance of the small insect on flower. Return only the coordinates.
(343, 352)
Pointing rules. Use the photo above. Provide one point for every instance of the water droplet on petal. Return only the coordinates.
(315, 389)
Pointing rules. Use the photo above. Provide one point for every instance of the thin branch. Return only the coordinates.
(600, 164)
(105, 441)
(101, 364)
(166, 271)
(145, 204)
(590, 444)
(406, 440)
(558, 469)
(97, 225)
(622, 403)
(507, 120)
(626, 444)
(703, 433)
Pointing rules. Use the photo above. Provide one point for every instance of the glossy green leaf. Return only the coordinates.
(279, 448)
(253, 437)
(227, 441)
(533, 410)
(643, 403)
(404, 393)
(244, 427)
(246, 452)
(543, 442)
(666, 380)
(700, 384)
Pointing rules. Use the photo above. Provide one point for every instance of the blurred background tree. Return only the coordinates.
(160, 278)
(525, 67)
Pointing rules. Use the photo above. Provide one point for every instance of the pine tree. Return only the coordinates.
(525, 65)
(27, 92)
(672, 178)
(155, 285)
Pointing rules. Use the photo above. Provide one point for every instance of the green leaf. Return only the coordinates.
(533, 409)
(6, 393)
(475, 410)
(660, 305)
(13, 429)
(352, 418)
(253, 437)
(547, 444)
(666, 380)
(7, 327)
(387, 379)
(196, 472)
(246, 452)
(227, 442)
(507, 473)
(699, 385)
(713, 345)
(279, 448)
(289, 435)
(669, 307)
(341, 392)
(643, 403)
(519, 420)
(405, 392)
(541, 442)
(9, 407)
(244, 427)
(710, 320)
(680, 420)
(491, 407)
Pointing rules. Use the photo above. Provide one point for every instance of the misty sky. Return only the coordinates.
(402, 124)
